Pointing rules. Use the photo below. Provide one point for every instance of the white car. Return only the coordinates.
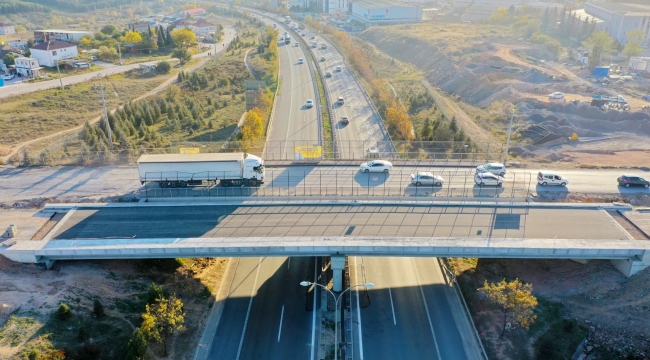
(426, 178)
(376, 166)
(338, 69)
(487, 178)
(309, 103)
(8, 76)
(556, 95)
(494, 168)
(548, 178)
(340, 100)
(300, 61)
(296, 44)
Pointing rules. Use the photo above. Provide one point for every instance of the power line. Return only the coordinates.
(100, 90)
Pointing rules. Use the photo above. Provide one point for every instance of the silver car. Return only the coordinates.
(487, 178)
(376, 166)
(494, 168)
(426, 178)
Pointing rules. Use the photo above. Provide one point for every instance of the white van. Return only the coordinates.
(550, 178)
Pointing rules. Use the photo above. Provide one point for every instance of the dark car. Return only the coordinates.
(629, 180)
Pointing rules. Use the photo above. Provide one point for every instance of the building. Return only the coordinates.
(203, 28)
(18, 44)
(335, 6)
(638, 63)
(6, 29)
(141, 26)
(192, 12)
(5, 50)
(620, 18)
(60, 35)
(379, 12)
(28, 67)
(473, 10)
(50, 52)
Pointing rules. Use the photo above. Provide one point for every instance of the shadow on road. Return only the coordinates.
(369, 180)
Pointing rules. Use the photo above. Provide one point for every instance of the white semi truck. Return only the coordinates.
(182, 170)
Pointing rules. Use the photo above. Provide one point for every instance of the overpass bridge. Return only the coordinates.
(337, 229)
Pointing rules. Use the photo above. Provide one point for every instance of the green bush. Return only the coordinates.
(64, 313)
(163, 67)
(98, 308)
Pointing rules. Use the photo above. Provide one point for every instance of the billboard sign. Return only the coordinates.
(308, 152)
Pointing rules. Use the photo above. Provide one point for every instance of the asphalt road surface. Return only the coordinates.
(293, 123)
(267, 314)
(24, 88)
(74, 182)
(409, 317)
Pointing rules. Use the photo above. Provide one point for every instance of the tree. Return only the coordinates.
(98, 308)
(163, 67)
(109, 29)
(182, 54)
(168, 37)
(161, 37)
(137, 347)
(598, 44)
(9, 59)
(546, 20)
(107, 53)
(63, 313)
(163, 319)
(397, 118)
(633, 46)
(253, 126)
(514, 299)
(131, 37)
(85, 42)
(183, 37)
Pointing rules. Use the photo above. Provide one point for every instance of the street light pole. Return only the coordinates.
(336, 309)
(505, 157)
(59, 71)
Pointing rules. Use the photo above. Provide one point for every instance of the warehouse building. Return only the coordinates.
(621, 18)
(378, 12)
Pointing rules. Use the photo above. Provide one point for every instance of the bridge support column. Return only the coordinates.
(630, 267)
(338, 265)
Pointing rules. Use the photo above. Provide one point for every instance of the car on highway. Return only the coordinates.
(8, 76)
(309, 103)
(303, 34)
(549, 178)
(345, 120)
(338, 69)
(312, 38)
(632, 180)
(328, 74)
(296, 44)
(488, 178)
(376, 166)
(300, 61)
(556, 95)
(426, 178)
(494, 168)
(322, 58)
(323, 46)
(340, 100)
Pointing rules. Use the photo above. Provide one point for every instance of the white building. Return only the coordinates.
(18, 44)
(48, 53)
(6, 29)
(379, 12)
(620, 18)
(639, 63)
(203, 28)
(60, 35)
(335, 6)
(28, 67)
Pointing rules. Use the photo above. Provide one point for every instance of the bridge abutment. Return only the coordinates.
(631, 267)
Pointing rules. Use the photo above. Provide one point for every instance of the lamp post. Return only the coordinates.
(505, 157)
(336, 309)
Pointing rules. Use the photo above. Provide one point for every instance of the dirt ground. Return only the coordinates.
(29, 295)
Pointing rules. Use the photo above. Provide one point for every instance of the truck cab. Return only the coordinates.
(254, 169)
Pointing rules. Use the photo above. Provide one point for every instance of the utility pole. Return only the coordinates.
(100, 90)
(59, 71)
(505, 158)
(119, 50)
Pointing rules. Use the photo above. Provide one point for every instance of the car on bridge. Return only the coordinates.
(300, 61)
(338, 69)
(322, 58)
(426, 178)
(488, 178)
(328, 74)
(345, 120)
(494, 168)
(549, 178)
(376, 166)
(309, 103)
(632, 180)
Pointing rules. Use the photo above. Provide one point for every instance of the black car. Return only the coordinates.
(629, 180)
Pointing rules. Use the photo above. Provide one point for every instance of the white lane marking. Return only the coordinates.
(291, 92)
(392, 306)
(426, 307)
(248, 312)
(289, 263)
(280, 328)
(313, 316)
(356, 281)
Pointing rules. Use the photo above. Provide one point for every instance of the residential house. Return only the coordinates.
(141, 26)
(61, 35)
(181, 23)
(203, 28)
(18, 44)
(6, 29)
(28, 67)
(50, 52)
(4, 50)
(192, 12)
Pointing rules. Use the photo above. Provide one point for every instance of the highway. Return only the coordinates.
(24, 88)
(75, 182)
(292, 120)
(267, 314)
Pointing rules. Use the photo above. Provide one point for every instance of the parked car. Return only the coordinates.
(494, 168)
(426, 178)
(632, 180)
(309, 103)
(376, 166)
(8, 76)
(300, 61)
(340, 100)
(338, 69)
(488, 178)
(556, 95)
(328, 74)
(549, 178)
(345, 120)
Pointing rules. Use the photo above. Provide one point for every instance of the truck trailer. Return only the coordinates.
(604, 101)
(182, 170)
